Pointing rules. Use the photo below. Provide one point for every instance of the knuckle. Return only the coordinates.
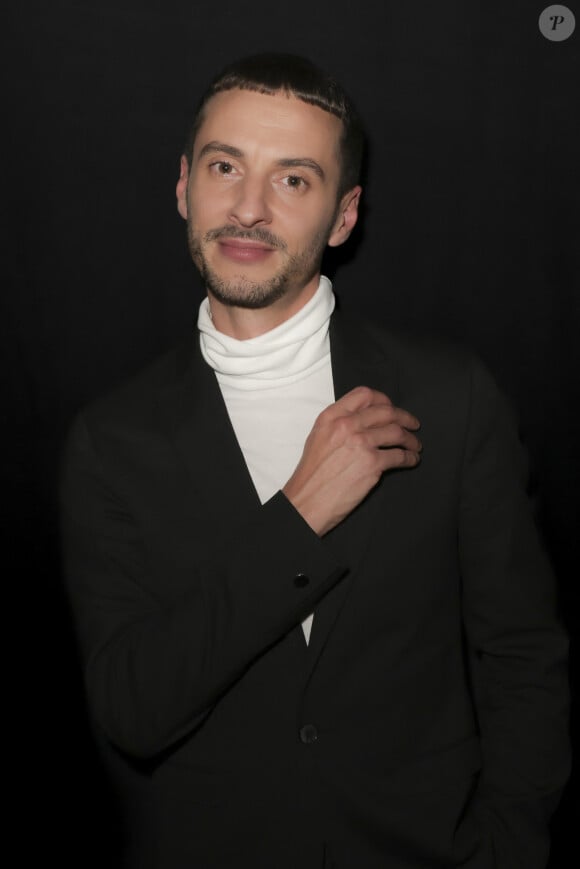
(396, 457)
(365, 393)
(356, 440)
(322, 416)
(343, 427)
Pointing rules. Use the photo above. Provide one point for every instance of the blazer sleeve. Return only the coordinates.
(517, 646)
(154, 668)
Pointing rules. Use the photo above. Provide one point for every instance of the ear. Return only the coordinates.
(181, 189)
(346, 217)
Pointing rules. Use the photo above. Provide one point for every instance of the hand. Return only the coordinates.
(351, 445)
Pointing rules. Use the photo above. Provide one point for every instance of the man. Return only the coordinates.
(319, 644)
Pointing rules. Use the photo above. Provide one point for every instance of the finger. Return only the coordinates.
(393, 436)
(382, 415)
(398, 458)
(406, 419)
(358, 399)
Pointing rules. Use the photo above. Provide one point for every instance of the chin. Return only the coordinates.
(247, 295)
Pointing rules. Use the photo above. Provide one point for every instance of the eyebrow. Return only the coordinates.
(212, 147)
(285, 163)
(306, 162)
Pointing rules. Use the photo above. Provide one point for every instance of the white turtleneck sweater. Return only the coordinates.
(274, 386)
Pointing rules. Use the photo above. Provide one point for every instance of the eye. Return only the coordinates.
(295, 182)
(221, 167)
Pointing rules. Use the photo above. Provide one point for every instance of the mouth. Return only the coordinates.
(244, 250)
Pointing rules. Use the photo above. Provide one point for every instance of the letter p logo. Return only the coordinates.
(557, 23)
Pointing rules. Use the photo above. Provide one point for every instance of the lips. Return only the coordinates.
(243, 250)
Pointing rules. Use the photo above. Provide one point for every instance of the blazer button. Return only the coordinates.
(308, 734)
(301, 580)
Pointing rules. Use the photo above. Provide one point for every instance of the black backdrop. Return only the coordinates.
(469, 230)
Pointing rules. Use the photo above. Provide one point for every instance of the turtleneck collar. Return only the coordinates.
(291, 351)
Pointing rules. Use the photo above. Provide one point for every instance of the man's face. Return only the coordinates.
(260, 198)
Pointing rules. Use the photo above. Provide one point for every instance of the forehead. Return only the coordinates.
(279, 123)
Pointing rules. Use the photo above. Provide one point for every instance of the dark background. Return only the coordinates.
(469, 230)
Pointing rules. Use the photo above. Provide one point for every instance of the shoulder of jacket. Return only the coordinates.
(411, 350)
(135, 396)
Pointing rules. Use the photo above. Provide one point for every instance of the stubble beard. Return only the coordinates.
(242, 291)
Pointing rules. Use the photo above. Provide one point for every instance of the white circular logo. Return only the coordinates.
(557, 23)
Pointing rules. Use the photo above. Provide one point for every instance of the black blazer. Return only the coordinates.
(426, 723)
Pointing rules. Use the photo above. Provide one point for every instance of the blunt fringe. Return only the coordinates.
(274, 72)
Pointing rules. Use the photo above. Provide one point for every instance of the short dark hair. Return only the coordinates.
(298, 76)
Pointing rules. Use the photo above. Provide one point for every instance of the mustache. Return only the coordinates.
(258, 234)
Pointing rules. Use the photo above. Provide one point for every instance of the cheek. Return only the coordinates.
(315, 229)
(304, 225)
(205, 207)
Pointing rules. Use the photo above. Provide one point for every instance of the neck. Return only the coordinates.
(244, 323)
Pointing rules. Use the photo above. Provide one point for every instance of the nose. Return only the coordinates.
(250, 207)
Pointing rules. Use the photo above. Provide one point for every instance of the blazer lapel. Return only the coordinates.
(196, 419)
(356, 361)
